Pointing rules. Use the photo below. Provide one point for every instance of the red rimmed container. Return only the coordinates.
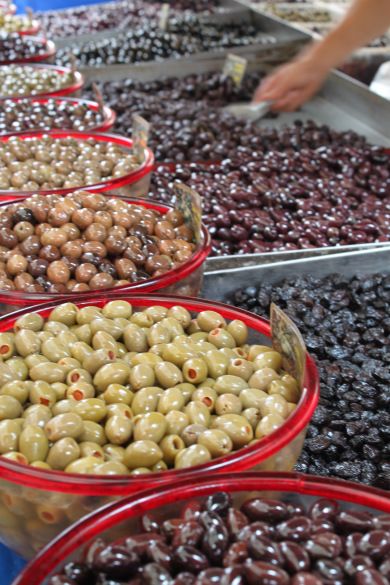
(184, 280)
(109, 115)
(33, 26)
(72, 89)
(48, 46)
(35, 504)
(122, 518)
(134, 184)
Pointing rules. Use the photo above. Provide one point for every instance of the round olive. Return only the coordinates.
(236, 426)
(171, 399)
(228, 404)
(10, 431)
(146, 400)
(171, 445)
(195, 370)
(114, 309)
(141, 376)
(193, 455)
(209, 320)
(262, 378)
(229, 384)
(143, 453)
(151, 426)
(33, 443)
(64, 425)
(116, 373)
(268, 425)
(198, 413)
(216, 441)
(268, 359)
(90, 409)
(168, 374)
(118, 430)
(191, 433)
(177, 421)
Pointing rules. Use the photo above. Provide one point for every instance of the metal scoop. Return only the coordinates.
(249, 111)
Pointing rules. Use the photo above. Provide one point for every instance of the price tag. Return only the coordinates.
(140, 135)
(98, 97)
(164, 17)
(73, 63)
(287, 340)
(30, 14)
(189, 202)
(235, 68)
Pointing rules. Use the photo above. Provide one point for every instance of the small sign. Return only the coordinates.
(164, 17)
(98, 97)
(140, 135)
(30, 14)
(235, 68)
(189, 202)
(287, 340)
(73, 63)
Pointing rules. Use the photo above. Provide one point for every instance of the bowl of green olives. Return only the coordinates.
(68, 160)
(38, 80)
(103, 398)
(83, 243)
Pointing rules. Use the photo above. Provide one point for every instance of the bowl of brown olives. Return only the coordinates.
(24, 114)
(16, 48)
(51, 246)
(106, 397)
(38, 80)
(237, 529)
(61, 161)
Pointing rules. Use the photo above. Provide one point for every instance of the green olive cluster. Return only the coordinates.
(29, 164)
(15, 23)
(22, 80)
(111, 391)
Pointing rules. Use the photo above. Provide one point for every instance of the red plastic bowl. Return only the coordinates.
(68, 90)
(50, 51)
(37, 491)
(35, 28)
(108, 113)
(133, 183)
(186, 279)
(121, 518)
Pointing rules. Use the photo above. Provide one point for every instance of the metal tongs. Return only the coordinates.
(249, 111)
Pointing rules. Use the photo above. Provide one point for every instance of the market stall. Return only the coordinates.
(189, 294)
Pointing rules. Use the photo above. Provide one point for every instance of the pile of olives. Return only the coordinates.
(24, 80)
(17, 48)
(115, 391)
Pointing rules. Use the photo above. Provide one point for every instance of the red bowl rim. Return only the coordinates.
(50, 52)
(36, 27)
(144, 169)
(109, 115)
(8, 7)
(75, 537)
(68, 90)
(240, 460)
(151, 284)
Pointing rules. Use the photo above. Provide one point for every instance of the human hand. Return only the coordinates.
(291, 85)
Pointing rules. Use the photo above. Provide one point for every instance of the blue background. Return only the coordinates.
(10, 565)
(37, 5)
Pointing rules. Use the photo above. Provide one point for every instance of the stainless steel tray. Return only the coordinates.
(246, 260)
(342, 104)
(220, 284)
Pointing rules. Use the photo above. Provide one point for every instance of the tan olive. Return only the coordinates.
(140, 471)
(143, 453)
(168, 374)
(69, 424)
(171, 445)
(177, 421)
(193, 455)
(216, 441)
(236, 426)
(106, 325)
(262, 378)
(228, 404)
(151, 426)
(63, 453)
(268, 425)
(33, 443)
(118, 430)
(159, 466)
(60, 390)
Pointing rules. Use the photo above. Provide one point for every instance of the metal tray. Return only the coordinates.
(343, 103)
(220, 284)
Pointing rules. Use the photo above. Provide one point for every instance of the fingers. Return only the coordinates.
(276, 86)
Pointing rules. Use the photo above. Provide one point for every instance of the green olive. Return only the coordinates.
(94, 432)
(151, 359)
(252, 398)
(180, 314)
(186, 389)
(198, 413)
(156, 312)
(142, 453)
(168, 374)
(216, 441)
(195, 370)
(171, 399)
(140, 471)
(63, 453)
(67, 339)
(229, 384)
(33, 443)
(37, 414)
(31, 321)
(146, 400)
(236, 426)
(62, 406)
(119, 409)
(97, 359)
(262, 378)
(111, 468)
(217, 363)
(88, 314)
(151, 426)
(115, 393)
(69, 424)
(85, 465)
(209, 320)
(114, 452)
(91, 449)
(106, 325)
(177, 421)
(141, 319)
(252, 415)
(7, 345)
(141, 376)
(178, 354)
(10, 407)
(69, 363)
(191, 433)
(26, 342)
(228, 404)
(191, 456)
(171, 445)
(118, 429)
(268, 359)
(289, 392)
(241, 368)
(90, 409)
(83, 333)
(17, 389)
(135, 338)
(80, 350)
(78, 375)
(221, 338)
(239, 330)
(199, 336)
(65, 313)
(275, 404)
(203, 347)
(256, 350)
(18, 367)
(42, 393)
(158, 334)
(9, 435)
(268, 425)
(55, 327)
(173, 326)
(115, 373)
(48, 372)
(80, 390)
(115, 309)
